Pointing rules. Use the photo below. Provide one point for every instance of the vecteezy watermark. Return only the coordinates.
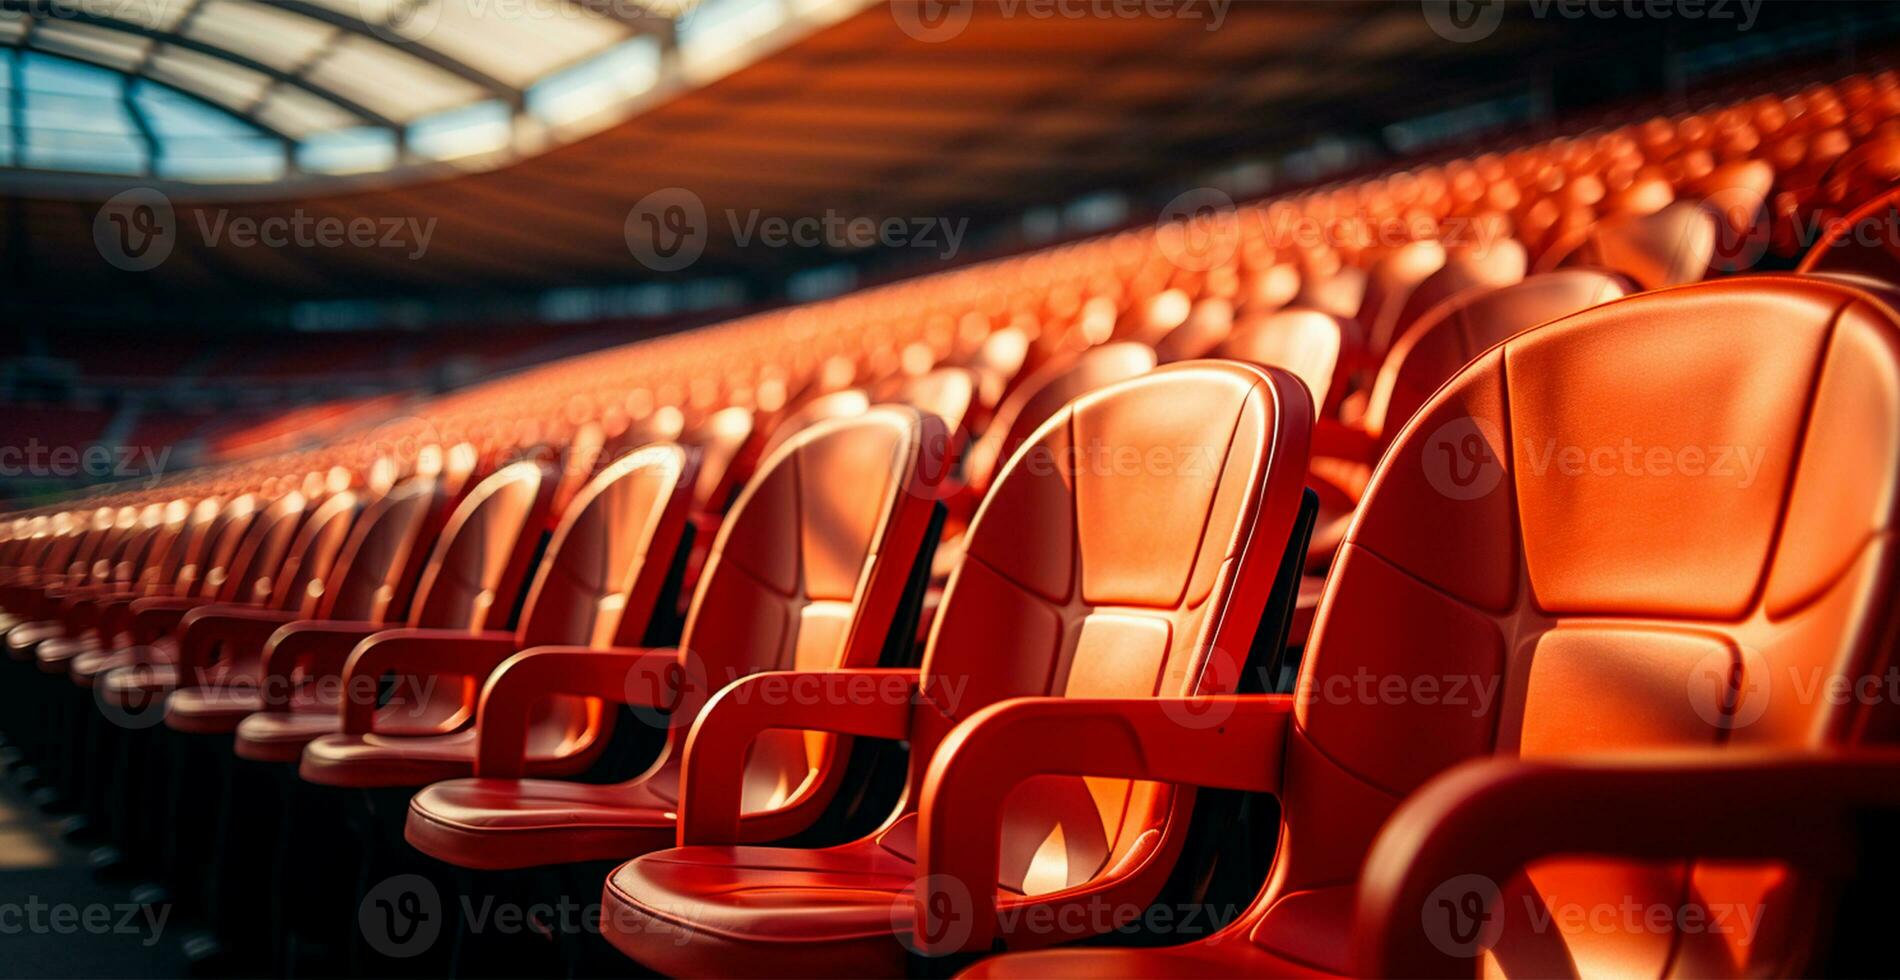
(137, 230)
(38, 460)
(1463, 460)
(933, 21)
(404, 916)
(300, 230)
(656, 697)
(401, 917)
(668, 230)
(951, 915)
(1469, 914)
(35, 917)
(1465, 21)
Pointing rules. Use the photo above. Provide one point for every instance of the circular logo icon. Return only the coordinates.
(932, 21)
(654, 696)
(949, 916)
(1461, 458)
(129, 706)
(1199, 230)
(401, 917)
(401, 21)
(136, 230)
(1221, 674)
(1463, 21)
(667, 229)
(1463, 916)
(1741, 228)
(1729, 688)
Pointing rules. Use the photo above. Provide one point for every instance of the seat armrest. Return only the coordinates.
(206, 629)
(868, 702)
(651, 678)
(1491, 817)
(155, 616)
(1228, 742)
(452, 653)
(317, 647)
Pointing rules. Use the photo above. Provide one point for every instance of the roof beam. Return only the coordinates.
(439, 59)
(42, 10)
(262, 127)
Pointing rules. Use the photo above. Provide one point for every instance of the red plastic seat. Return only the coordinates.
(145, 672)
(207, 538)
(600, 584)
(477, 566)
(1481, 555)
(1086, 581)
(1316, 347)
(808, 574)
(358, 578)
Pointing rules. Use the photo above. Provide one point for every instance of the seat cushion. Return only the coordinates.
(22, 639)
(282, 736)
(137, 685)
(763, 911)
(211, 710)
(56, 656)
(389, 758)
(495, 824)
(91, 665)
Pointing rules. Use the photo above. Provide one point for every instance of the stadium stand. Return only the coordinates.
(1410, 573)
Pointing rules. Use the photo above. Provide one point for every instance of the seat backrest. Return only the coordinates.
(1390, 281)
(596, 585)
(1486, 265)
(99, 541)
(1306, 343)
(369, 580)
(1127, 550)
(947, 393)
(1043, 394)
(300, 583)
(721, 441)
(1662, 523)
(808, 572)
(181, 545)
(118, 567)
(1207, 325)
(1449, 336)
(1672, 246)
(260, 555)
(848, 403)
(210, 564)
(483, 555)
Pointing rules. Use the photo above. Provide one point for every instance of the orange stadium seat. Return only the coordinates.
(1410, 532)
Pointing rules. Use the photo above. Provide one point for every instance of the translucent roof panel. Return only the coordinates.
(390, 81)
(601, 82)
(488, 37)
(300, 114)
(348, 151)
(275, 37)
(344, 86)
(217, 80)
(113, 49)
(481, 128)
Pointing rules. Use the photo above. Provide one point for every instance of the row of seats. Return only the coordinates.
(744, 630)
